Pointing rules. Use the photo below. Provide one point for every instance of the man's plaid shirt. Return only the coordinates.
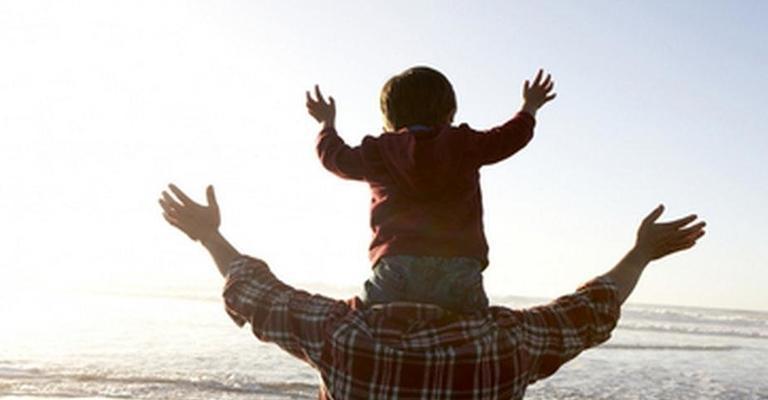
(419, 351)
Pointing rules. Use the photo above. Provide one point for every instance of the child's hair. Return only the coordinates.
(417, 96)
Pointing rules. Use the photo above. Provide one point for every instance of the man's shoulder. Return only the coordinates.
(425, 327)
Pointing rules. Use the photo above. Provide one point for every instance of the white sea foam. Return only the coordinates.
(698, 316)
(160, 348)
(39, 383)
(695, 330)
(668, 347)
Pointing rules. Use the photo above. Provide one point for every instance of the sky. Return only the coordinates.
(103, 103)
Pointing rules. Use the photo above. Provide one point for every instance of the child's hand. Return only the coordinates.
(538, 93)
(324, 112)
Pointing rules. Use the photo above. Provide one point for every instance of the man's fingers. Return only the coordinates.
(695, 235)
(211, 196)
(679, 223)
(680, 246)
(550, 97)
(171, 220)
(173, 204)
(526, 87)
(167, 209)
(691, 229)
(686, 243)
(309, 98)
(333, 102)
(654, 215)
(318, 94)
(175, 223)
(698, 235)
(690, 238)
(181, 195)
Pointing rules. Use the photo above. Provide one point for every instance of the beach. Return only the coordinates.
(100, 346)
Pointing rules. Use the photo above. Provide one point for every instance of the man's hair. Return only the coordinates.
(417, 96)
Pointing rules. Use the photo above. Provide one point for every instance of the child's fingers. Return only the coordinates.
(318, 94)
(550, 97)
(546, 80)
(526, 86)
(537, 80)
(333, 102)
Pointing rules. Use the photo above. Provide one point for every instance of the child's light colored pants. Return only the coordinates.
(454, 283)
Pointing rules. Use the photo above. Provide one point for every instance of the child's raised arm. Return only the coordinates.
(503, 141)
(335, 155)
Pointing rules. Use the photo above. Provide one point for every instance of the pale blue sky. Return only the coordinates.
(104, 102)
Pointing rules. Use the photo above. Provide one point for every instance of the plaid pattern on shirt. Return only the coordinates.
(408, 350)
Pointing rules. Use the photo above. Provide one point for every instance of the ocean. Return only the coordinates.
(99, 346)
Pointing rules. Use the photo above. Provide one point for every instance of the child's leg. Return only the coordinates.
(454, 283)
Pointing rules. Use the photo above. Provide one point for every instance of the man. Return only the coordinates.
(410, 350)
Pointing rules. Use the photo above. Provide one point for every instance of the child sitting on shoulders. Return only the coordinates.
(428, 244)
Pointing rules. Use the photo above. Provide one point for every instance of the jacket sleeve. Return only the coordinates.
(339, 158)
(553, 334)
(293, 319)
(496, 144)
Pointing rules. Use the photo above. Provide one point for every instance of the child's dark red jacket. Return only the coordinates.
(426, 184)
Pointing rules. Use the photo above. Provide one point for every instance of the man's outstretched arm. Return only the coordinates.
(557, 332)
(292, 319)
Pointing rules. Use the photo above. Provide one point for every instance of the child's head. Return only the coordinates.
(417, 96)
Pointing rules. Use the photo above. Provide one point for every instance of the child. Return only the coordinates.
(428, 243)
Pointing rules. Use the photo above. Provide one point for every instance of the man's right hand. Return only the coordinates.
(657, 240)
(197, 221)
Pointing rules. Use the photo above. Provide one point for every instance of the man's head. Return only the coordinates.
(417, 96)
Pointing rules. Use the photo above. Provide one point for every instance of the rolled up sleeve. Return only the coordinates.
(555, 333)
(336, 156)
(293, 319)
(501, 142)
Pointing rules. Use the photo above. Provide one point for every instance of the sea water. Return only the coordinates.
(131, 347)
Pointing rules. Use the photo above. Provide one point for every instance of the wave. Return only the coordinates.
(667, 347)
(34, 382)
(698, 316)
(694, 330)
(59, 395)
